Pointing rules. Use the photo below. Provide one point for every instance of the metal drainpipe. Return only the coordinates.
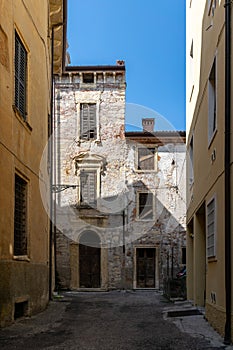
(52, 227)
(51, 170)
(227, 336)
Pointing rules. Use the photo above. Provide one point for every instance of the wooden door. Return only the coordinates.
(89, 266)
(145, 268)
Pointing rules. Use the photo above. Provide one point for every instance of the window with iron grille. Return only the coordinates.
(20, 76)
(146, 158)
(88, 186)
(20, 217)
(145, 205)
(88, 121)
(211, 228)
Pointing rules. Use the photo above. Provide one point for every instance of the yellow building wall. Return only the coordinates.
(21, 147)
(208, 35)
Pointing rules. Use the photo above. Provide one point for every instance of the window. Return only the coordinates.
(146, 158)
(212, 102)
(88, 121)
(88, 78)
(20, 76)
(211, 7)
(183, 257)
(190, 160)
(145, 205)
(211, 228)
(20, 217)
(88, 187)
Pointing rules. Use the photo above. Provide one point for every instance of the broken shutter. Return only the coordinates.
(20, 76)
(88, 188)
(146, 159)
(88, 121)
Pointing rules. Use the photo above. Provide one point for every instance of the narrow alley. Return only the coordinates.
(118, 320)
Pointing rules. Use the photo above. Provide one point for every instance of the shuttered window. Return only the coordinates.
(146, 158)
(211, 227)
(88, 186)
(20, 76)
(20, 216)
(88, 121)
(145, 206)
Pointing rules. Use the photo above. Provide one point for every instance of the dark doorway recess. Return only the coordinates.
(89, 260)
(145, 268)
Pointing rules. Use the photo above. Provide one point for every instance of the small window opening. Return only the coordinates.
(88, 78)
(21, 309)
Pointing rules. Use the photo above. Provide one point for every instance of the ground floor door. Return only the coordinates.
(145, 269)
(89, 261)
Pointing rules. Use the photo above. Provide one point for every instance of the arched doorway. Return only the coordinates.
(89, 260)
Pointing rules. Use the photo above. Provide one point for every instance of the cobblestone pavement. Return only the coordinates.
(119, 320)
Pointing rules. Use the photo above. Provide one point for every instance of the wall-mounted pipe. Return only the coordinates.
(227, 336)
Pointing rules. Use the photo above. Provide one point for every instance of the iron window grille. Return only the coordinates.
(20, 217)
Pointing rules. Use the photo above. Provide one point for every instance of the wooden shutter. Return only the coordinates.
(92, 121)
(20, 76)
(88, 121)
(146, 159)
(88, 187)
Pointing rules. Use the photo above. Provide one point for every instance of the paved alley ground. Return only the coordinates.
(119, 320)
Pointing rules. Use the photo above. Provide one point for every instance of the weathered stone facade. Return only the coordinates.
(137, 221)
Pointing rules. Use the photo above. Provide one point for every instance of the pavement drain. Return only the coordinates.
(182, 313)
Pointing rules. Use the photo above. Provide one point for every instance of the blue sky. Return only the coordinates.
(150, 36)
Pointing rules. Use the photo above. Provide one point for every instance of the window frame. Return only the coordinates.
(19, 81)
(138, 214)
(149, 147)
(214, 222)
(24, 253)
(96, 132)
(85, 172)
(212, 102)
(191, 162)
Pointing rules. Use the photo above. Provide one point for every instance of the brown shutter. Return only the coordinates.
(20, 76)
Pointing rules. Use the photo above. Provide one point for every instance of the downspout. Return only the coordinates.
(52, 227)
(51, 170)
(227, 336)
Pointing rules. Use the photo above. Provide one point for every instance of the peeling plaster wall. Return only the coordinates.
(119, 181)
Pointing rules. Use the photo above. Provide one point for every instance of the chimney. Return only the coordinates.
(120, 63)
(148, 124)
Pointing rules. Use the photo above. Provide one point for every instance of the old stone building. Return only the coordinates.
(25, 98)
(120, 197)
